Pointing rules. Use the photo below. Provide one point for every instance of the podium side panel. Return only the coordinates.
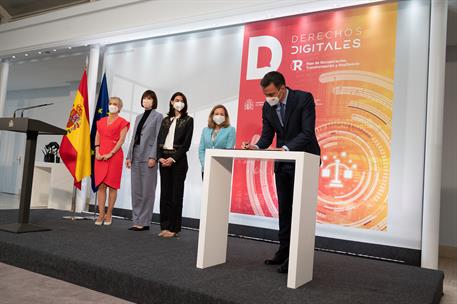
(215, 209)
(303, 230)
(61, 188)
(40, 187)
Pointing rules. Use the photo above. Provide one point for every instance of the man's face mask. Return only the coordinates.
(273, 100)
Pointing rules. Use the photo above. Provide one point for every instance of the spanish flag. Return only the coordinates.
(75, 146)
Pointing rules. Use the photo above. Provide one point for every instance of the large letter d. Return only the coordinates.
(255, 72)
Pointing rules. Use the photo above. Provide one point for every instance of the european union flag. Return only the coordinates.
(101, 111)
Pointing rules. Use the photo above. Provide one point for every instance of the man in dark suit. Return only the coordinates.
(289, 114)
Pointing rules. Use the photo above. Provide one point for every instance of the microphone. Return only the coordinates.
(31, 107)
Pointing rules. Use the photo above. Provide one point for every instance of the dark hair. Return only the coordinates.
(273, 77)
(171, 111)
(152, 95)
(212, 124)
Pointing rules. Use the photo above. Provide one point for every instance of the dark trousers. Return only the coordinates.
(171, 195)
(285, 188)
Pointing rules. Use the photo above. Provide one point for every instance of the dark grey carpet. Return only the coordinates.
(143, 268)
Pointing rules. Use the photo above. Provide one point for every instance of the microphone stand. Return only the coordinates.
(31, 107)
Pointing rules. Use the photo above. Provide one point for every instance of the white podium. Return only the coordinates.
(52, 186)
(215, 209)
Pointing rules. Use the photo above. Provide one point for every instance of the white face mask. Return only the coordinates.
(218, 119)
(113, 109)
(147, 103)
(178, 105)
(272, 101)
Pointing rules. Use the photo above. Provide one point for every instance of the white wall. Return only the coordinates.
(205, 66)
(32, 83)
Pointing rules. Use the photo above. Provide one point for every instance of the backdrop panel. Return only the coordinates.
(367, 69)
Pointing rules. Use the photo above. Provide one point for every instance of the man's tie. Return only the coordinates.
(282, 111)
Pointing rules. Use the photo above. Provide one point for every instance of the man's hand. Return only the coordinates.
(128, 163)
(247, 146)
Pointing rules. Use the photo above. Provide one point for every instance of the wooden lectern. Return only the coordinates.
(32, 128)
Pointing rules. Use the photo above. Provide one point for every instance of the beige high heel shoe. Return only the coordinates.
(106, 223)
(99, 223)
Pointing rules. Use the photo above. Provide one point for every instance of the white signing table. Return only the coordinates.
(215, 209)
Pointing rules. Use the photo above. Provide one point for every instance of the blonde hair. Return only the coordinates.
(212, 124)
(119, 100)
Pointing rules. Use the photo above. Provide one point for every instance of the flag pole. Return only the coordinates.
(78, 128)
(73, 208)
(95, 205)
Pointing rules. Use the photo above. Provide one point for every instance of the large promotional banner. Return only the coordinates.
(346, 59)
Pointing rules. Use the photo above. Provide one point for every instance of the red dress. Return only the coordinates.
(109, 171)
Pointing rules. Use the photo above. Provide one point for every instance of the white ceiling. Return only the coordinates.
(46, 72)
(11, 10)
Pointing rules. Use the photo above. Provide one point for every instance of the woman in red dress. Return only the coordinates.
(111, 133)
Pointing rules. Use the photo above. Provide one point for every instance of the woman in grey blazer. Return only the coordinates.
(142, 159)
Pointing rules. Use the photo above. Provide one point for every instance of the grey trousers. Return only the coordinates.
(144, 181)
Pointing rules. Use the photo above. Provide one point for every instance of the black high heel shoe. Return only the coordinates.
(276, 260)
(144, 228)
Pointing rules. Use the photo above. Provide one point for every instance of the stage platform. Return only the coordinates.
(144, 268)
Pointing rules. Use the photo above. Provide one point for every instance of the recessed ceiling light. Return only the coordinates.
(13, 56)
(40, 52)
(69, 47)
(54, 50)
(26, 55)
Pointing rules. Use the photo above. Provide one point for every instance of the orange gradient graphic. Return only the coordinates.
(346, 59)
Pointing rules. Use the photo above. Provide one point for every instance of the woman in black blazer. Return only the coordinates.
(174, 141)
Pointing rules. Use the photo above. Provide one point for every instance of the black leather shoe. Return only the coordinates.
(284, 268)
(275, 261)
(132, 228)
(141, 229)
